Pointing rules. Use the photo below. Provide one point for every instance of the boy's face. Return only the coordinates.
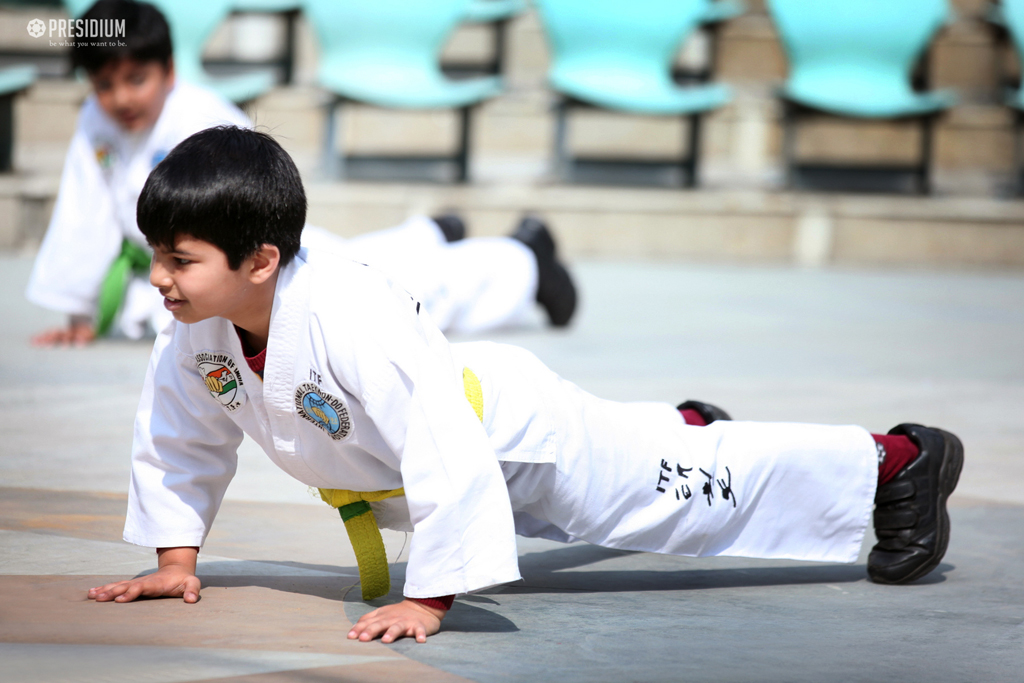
(133, 93)
(197, 283)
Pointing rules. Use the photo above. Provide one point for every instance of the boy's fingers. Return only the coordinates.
(421, 634)
(131, 592)
(394, 632)
(108, 592)
(192, 586)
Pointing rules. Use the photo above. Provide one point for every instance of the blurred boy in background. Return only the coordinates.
(93, 263)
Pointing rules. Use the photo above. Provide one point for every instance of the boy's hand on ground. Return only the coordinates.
(405, 619)
(173, 582)
(176, 578)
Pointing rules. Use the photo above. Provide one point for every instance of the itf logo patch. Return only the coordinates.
(36, 28)
(325, 411)
(222, 378)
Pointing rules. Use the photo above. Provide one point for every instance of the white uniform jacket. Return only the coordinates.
(103, 176)
(360, 392)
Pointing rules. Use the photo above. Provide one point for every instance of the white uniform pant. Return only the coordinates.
(635, 476)
(469, 286)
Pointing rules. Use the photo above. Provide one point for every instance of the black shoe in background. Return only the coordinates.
(555, 289)
(451, 225)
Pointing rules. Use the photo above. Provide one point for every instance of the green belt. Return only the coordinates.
(133, 260)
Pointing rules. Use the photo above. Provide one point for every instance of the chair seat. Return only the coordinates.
(487, 11)
(722, 10)
(16, 78)
(268, 6)
(388, 84)
(642, 91)
(1015, 98)
(862, 93)
(241, 88)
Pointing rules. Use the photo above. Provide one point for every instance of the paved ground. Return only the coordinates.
(872, 348)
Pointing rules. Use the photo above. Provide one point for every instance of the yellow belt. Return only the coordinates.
(361, 525)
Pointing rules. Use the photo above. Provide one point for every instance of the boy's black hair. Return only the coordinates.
(232, 187)
(147, 37)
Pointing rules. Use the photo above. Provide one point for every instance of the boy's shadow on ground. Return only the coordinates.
(543, 572)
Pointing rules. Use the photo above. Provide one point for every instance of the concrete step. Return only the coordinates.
(709, 225)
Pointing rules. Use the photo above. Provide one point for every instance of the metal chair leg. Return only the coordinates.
(563, 162)
(789, 122)
(332, 162)
(462, 155)
(692, 160)
(6, 133)
(1017, 184)
(924, 180)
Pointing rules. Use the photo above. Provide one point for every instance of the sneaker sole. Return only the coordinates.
(949, 475)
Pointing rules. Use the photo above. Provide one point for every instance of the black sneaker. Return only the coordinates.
(911, 521)
(451, 225)
(555, 289)
(707, 411)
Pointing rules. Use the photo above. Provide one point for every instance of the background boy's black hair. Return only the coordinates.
(147, 37)
(232, 187)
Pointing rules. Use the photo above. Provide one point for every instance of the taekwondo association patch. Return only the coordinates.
(158, 156)
(222, 378)
(325, 411)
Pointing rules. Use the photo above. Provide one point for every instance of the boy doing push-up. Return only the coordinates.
(348, 386)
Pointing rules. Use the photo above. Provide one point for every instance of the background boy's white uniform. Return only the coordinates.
(104, 172)
(469, 286)
(361, 391)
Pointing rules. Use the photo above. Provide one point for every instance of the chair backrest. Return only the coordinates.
(77, 8)
(613, 31)
(885, 36)
(399, 31)
(1012, 13)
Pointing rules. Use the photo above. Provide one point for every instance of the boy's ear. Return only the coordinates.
(170, 72)
(263, 264)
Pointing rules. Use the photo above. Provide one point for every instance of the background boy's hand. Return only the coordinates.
(78, 332)
(176, 578)
(405, 619)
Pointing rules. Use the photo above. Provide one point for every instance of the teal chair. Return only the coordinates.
(289, 9)
(13, 80)
(386, 53)
(856, 59)
(192, 23)
(76, 8)
(711, 22)
(497, 14)
(723, 10)
(1008, 19)
(619, 56)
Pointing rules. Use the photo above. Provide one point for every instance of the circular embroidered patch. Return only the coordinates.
(325, 411)
(222, 378)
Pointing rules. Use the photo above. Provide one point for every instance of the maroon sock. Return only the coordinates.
(894, 453)
(692, 417)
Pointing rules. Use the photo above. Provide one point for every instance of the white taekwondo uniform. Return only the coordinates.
(468, 286)
(104, 172)
(361, 391)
